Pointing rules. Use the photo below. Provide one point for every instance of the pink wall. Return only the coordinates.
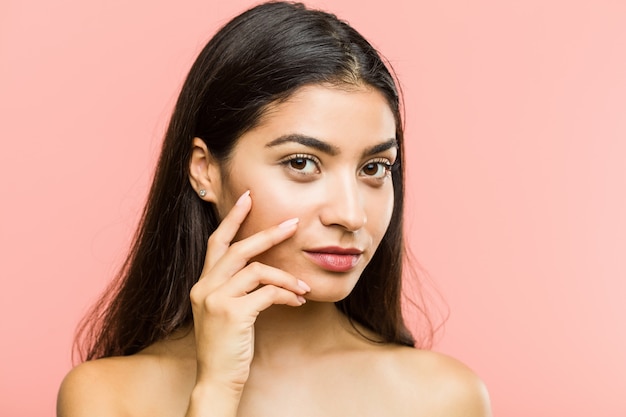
(517, 155)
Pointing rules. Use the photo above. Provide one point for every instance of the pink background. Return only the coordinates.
(516, 122)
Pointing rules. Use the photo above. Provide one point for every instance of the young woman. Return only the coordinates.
(265, 276)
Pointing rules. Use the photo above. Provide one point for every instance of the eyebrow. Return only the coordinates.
(328, 148)
(381, 147)
(306, 141)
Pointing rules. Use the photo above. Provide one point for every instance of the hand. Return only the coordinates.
(231, 293)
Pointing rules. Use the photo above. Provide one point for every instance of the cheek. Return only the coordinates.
(276, 201)
(379, 201)
(380, 214)
(271, 205)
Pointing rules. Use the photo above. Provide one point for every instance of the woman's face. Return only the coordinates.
(324, 156)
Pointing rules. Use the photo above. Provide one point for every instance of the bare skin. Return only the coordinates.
(283, 349)
(365, 380)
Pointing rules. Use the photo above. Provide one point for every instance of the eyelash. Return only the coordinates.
(387, 166)
(286, 162)
(304, 157)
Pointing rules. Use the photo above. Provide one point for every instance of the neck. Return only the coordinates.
(283, 333)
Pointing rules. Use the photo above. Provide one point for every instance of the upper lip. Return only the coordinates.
(338, 250)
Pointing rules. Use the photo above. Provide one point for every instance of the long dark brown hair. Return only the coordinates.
(259, 57)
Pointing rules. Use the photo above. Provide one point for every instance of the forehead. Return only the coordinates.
(343, 115)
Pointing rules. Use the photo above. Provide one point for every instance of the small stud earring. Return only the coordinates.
(202, 193)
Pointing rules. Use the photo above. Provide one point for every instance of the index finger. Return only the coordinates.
(221, 238)
(241, 252)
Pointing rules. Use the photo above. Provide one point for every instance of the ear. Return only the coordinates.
(204, 172)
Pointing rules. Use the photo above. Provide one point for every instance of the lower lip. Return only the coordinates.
(334, 262)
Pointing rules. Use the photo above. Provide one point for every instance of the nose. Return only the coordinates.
(344, 205)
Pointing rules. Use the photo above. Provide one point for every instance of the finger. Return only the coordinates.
(238, 255)
(257, 274)
(241, 252)
(236, 308)
(269, 295)
(220, 239)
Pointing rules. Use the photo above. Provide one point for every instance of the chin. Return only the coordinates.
(323, 298)
(329, 290)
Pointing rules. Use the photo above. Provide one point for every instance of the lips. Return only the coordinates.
(335, 259)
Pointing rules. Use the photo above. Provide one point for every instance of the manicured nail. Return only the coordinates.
(304, 286)
(301, 299)
(288, 223)
(242, 198)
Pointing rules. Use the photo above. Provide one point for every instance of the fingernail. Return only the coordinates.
(301, 299)
(304, 286)
(289, 223)
(242, 198)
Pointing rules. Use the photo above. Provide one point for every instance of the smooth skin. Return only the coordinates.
(267, 339)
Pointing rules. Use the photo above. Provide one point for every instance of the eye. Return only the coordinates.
(302, 164)
(377, 169)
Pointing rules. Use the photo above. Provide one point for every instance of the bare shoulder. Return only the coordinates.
(151, 382)
(447, 386)
(92, 388)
